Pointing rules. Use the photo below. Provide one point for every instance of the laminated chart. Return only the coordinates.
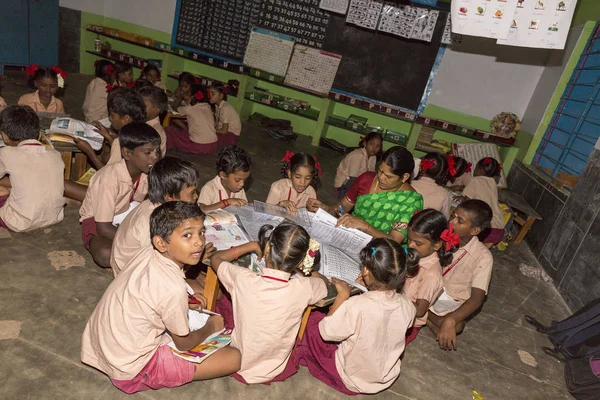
(269, 51)
(336, 6)
(408, 22)
(312, 69)
(541, 23)
(364, 13)
(473, 152)
(485, 18)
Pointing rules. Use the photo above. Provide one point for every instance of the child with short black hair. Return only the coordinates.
(228, 123)
(466, 280)
(301, 172)
(124, 74)
(96, 94)
(156, 103)
(459, 173)
(359, 161)
(428, 234)
(227, 188)
(268, 306)
(356, 348)
(125, 336)
(46, 81)
(199, 137)
(432, 173)
(32, 180)
(152, 74)
(115, 187)
(170, 179)
(484, 186)
(184, 89)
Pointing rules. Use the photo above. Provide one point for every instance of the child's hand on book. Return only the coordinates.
(313, 205)
(83, 146)
(342, 288)
(237, 202)
(288, 205)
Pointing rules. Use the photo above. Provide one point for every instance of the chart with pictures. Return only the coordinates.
(301, 19)
(448, 37)
(364, 13)
(473, 152)
(485, 18)
(541, 24)
(312, 69)
(269, 51)
(220, 27)
(336, 6)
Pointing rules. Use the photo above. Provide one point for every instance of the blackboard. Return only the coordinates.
(382, 66)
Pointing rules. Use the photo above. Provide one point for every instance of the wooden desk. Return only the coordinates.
(525, 215)
(75, 163)
(169, 117)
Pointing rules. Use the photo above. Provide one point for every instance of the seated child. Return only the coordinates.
(124, 74)
(268, 306)
(200, 136)
(170, 179)
(433, 170)
(356, 348)
(428, 235)
(467, 279)
(184, 89)
(300, 171)
(152, 74)
(483, 186)
(125, 335)
(357, 162)
(113, 188)
(227, 188)
(228, 123)
(459, 173)
(32, 184)
(96, 94)
(124, 106)
(46, 81)
(156, 103)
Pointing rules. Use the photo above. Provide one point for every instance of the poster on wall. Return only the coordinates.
(540, 23)
(364, 13)
(485, 18)
(408, 22)
(312, 69)
(269, 51)
(336, 6)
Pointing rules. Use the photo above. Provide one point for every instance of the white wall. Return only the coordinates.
(155, 14)
(547, 83)
(480, 78)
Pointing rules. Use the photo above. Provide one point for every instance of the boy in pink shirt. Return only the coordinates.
(467, 278)
(125, 336)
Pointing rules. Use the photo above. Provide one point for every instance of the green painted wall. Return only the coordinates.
(587, 10)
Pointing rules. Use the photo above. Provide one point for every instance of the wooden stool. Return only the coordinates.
(520, 205)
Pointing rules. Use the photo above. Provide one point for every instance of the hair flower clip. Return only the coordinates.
(451, 165)
(487, 160)
(318, 167)
(426, 164)
(199, 96)
(31, 70)
(60, 76)
(469, 166)
(288, 156)
(309, 259)
(450, 237)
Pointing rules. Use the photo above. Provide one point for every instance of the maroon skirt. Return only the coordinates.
(180, 140)
(226, 139)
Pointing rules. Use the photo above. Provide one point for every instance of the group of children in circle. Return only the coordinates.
(165, 232)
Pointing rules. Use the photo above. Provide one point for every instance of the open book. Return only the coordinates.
(336, 264)
(222, 230)
(205, 349)
(65, 129)
(349, 240)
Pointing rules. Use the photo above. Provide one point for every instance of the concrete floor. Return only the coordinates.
(45, 307)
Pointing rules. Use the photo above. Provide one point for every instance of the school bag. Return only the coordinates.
(577, 336)
(582, 376)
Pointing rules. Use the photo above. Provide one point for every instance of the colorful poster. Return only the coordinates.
(540, 23)
(485, 18)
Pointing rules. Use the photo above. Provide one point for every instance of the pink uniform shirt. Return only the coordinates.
(434, 195)
(283, 190)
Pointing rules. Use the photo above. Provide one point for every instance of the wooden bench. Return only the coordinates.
(525, 215)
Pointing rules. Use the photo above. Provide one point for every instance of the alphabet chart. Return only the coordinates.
(312, 69)
(269, 51)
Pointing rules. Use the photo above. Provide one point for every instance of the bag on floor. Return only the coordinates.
(582, 376)
(577, 336)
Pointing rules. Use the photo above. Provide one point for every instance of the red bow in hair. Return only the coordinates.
(96, 63)
(416, 212)
(468, 170)
(59, 71)
(110, 87)
(427, 164)
(110, 69)
(131, 84)
(450, 237)
(288, 156)
(451, 165)
(225, 89)
(362, 139)
(31, 70)
(199, 95)
(487, 160)
(196, 79)
(318, 167)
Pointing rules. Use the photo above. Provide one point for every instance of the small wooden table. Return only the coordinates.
(525, 215)
(171, 116)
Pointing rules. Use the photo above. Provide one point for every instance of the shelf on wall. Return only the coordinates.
(328, 122)
(125, 40)
(282, 109)
(115, 58)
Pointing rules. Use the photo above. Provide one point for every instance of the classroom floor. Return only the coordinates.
(46, 301)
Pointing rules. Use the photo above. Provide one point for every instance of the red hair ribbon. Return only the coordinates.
(31, 70)
(450, 237)
(59, 71)
(131, 84)
(427, 164)
(110, 69)
(96, 63)
(225, 89)
(110, 87)
(416, 212)
(362, 139)
(196, 79)
(469, 167)
(318, 167)
(199, 95)
(451, 165)
(487, 160)
(288, 156)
